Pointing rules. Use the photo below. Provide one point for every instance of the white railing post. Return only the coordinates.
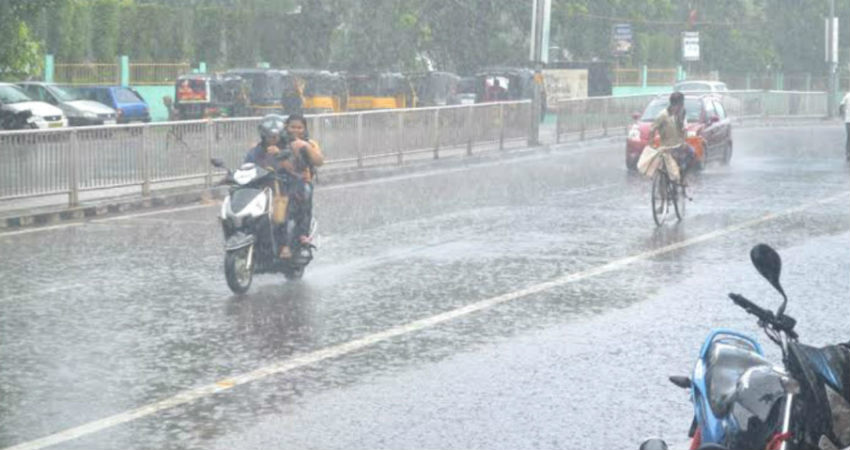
(501, 126)
(206, 154)
(144, 152)
(400, 137)
(436, 131)
(469, 130)
(605, 110)
(74, 171)
(359, 140)
(559, 110)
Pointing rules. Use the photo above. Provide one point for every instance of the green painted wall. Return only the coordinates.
(637, 90)
(153, 96)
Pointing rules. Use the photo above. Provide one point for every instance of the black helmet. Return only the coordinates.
(271, 125)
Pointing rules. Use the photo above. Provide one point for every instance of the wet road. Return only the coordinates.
(528, 303)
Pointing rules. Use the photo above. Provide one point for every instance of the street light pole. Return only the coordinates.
(833, 59)
(536, 52)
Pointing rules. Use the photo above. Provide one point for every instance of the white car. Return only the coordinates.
(702, 87)
(717, 88)
(44, 115)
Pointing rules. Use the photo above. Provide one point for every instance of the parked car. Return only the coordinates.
(128, 104)
(717, 88)
(709, 130)
(79, 111)
(18, 110)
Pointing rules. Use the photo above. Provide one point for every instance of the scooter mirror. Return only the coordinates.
(769, 265)
(217, 162)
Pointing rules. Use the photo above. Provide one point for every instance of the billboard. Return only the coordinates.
(564, 84)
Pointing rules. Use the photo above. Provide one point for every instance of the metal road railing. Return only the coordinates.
(37, 163)
(603, 114)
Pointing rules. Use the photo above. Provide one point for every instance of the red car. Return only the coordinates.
(709, 129)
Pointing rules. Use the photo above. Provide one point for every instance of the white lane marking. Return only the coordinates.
(153, 213)
(173, 221)
(107, 219)
(48, 291)
(35, 230)
(372, 339)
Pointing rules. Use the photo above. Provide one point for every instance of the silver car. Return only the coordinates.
(15, 102)
(80, 112)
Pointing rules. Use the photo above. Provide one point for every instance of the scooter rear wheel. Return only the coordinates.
(294, 274)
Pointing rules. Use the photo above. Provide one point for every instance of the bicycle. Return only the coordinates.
(666, 192)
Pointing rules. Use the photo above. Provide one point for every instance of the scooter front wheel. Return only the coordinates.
(237, 270)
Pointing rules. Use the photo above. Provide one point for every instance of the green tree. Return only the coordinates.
(105, 21)
(20, 51)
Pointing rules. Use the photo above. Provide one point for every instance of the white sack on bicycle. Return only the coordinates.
(650, 161)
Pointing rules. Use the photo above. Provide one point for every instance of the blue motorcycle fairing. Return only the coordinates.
(714, 427)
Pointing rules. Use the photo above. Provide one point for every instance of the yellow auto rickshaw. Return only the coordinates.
(267, 89)
(380, 91)
(321, 91)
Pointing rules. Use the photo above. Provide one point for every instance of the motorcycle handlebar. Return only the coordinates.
(780, 323)
(750, 307)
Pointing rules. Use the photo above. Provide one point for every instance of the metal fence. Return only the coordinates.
(87, 73)
(602, 114)
(36, 163)
(157, 73)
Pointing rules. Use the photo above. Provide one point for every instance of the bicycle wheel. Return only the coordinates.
(679, 198)
(659, 204)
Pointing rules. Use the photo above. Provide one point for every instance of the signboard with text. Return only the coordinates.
(622, 38)
(690, 45)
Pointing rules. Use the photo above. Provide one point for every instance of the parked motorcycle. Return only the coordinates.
(251, 232)
(743, 401)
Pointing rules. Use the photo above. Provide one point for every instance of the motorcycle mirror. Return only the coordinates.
(217, 162)
(769, 265)
(653, 444)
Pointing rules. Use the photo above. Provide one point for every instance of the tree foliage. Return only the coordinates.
(459, 35)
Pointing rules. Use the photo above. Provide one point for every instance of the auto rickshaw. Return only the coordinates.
(267, 89)
(199, 96)
(436, 88)
(506, 84)
(322, 91)
(380, 91)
